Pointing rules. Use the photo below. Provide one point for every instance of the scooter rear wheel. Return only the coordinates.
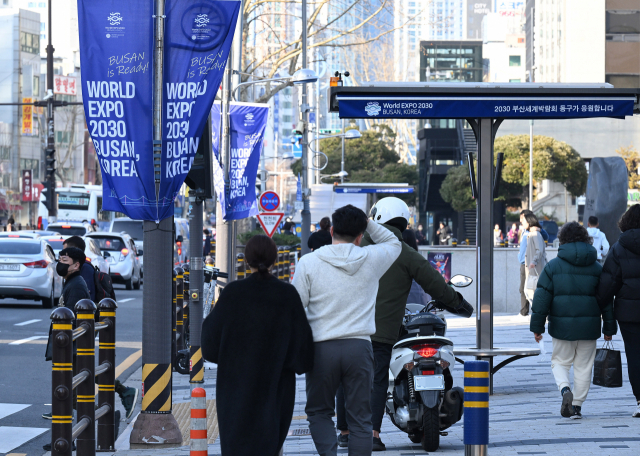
(431, 430)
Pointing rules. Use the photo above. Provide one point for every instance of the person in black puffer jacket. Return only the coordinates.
(621, 278)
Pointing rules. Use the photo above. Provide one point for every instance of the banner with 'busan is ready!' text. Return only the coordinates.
(116, 50)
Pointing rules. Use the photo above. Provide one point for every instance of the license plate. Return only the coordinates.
(428, 382)
(9, 267)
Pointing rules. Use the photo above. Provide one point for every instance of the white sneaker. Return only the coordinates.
(636, 414)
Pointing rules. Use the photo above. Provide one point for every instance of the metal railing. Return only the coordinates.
(82, 363)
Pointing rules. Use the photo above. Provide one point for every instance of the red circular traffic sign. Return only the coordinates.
(269, 201)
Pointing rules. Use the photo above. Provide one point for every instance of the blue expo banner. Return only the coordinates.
(454, 107)
(247, 124)
(198, 38)
(116, 47)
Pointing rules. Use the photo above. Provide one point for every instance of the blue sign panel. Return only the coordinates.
(372, 190)
(462, 107)
(116, 49)
(247, 123)
(297, 147)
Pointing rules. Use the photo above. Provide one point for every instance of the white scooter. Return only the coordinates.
(421, 399)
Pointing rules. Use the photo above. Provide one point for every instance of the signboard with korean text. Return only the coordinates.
(463, 107)
(269, 221)
(27, 185)
(27, 117)
(65, 85)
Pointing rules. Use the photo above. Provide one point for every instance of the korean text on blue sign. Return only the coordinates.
(459, 107)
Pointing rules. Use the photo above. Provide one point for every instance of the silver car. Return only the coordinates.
(122, 256)
(28, 271)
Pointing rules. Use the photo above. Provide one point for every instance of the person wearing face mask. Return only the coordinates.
(69, 267)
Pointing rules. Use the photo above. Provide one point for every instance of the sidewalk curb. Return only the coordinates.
(122, 443)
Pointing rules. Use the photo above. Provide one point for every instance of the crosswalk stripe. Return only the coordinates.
(10, 409)
(12, 437)
(125, 300)
(28, 322)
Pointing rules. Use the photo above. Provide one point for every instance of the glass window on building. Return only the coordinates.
(514, 60)
(36, 86)
(4, 152)
(29, 43)
(412, 11)
(32, 164)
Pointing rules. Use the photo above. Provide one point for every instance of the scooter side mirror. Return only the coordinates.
(460, 281)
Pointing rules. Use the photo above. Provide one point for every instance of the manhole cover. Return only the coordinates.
(303, 431)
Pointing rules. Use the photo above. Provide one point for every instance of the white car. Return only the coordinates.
(71, 228)
(92, 251)
(122, 256)
(28, 270)
(133, 228)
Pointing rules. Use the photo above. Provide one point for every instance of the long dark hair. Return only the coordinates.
(532, 220)
(260, 253)
(631, 219)
(409, 237)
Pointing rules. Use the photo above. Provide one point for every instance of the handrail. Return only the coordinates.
(102, 411)
(81, 377)
(80, 427)
(79, 331)
(102, 368)
(101, 325)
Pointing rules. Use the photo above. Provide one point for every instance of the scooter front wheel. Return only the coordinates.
(430, 430)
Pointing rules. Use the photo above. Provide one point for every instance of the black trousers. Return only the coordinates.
(631, 337)
(381, 358)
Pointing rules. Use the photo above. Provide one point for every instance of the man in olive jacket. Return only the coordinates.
(391, 300)
(566, 295)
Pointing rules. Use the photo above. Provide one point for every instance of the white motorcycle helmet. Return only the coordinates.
(388, 209)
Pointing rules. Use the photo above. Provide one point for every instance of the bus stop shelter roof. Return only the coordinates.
(390, 100)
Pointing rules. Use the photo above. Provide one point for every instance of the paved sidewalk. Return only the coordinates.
(524, 410)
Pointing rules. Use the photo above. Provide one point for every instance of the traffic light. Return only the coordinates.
(50, 179)
(200, 177)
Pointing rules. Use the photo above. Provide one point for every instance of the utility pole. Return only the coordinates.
(306, 211)
(531, 165)
(196, 284)
(50, 151)
(156, 426)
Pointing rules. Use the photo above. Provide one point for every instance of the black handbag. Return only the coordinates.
(48, 354)
(607, 367)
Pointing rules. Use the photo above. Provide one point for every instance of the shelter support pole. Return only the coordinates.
(484, 236)
(156, 427)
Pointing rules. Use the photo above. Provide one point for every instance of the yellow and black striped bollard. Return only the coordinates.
(107, 379)
(61, 379)
(179, 308)
(185, 306)
(287, 264)
(86, 361)
(476, 408)
(240, 270)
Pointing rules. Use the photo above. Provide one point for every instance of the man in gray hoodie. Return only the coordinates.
(338, 285)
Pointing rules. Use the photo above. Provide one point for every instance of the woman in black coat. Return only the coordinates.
(259, 336)
(621, 278)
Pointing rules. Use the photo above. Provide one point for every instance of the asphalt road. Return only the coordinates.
(25, 376)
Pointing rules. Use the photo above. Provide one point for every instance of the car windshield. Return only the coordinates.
(10, 247)
(132, 227)
(56, 244)
(69, 230)
(112, 244)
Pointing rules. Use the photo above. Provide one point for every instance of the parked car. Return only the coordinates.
(92, 251)
(122, 256)
(39, 232)
(28, 271)
(71, 228)
(551, 228)
(134, 229)
(19, 235)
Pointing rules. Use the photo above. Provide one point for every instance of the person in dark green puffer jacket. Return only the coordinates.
(566, 295)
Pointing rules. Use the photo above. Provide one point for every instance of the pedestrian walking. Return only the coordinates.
(257, 323)
(497, 235)
(86, 271)
(444, 234)
(600, 242)
(393, 293)
(206, 251)
(420, 236)
(529, 223)
(338, 285)
(11, 224)
(566, 296)
(322, 236)
(288, 227)
(512, 235)
(620, 286)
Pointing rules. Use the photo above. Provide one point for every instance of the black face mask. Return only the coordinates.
(62, 269)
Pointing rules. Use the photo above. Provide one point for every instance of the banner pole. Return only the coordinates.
(306, 211)
(156, 426)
